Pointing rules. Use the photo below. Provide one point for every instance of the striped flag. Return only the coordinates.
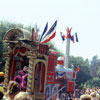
(73, 38)
(36, 33)
(68, 33)
(67, 36)
(50, 34)
(62, 36)
(49, 37)
(70, 37)
(76, 37)
(45, 29)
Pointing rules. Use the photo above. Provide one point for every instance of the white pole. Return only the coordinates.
(67, 53)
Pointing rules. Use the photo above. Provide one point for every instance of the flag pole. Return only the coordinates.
(67, 53)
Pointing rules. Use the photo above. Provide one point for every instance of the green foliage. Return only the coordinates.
(1, 56)
(84, 74)
(95, 82)
(94, 61)
(55, 48)
(95, 67)
(91, 73)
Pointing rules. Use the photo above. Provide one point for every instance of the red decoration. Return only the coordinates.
(60, 62)
(74, 75)
(21, 51)
(50, 77)
(78, 69)
(43, 49)
(70, 86)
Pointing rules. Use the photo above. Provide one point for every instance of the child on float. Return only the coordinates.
(24, 82)
(21, 78)
(24, 71)
(18, 78)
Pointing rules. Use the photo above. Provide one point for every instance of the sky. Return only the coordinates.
(82, 15)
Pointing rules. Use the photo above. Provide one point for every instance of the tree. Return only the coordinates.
(94, 61)
(95, 66)
(84, 74)
(95, 82)
(55, 48)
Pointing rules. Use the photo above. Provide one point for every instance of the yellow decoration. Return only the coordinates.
(2, 74)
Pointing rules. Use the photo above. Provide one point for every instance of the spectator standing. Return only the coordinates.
(1, 95)
(12, 90)
(22, 96)
(85, 97)
(93, 95)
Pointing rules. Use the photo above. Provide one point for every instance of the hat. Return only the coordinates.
(1, 73)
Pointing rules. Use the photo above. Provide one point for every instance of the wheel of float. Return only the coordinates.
(54, 91)
(48, 91)
(63, 96)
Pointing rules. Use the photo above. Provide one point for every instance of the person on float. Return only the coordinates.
(12, 89)
(24, 82)
(18, 78)
(24, 71)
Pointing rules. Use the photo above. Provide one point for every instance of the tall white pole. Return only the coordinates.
(67, 53)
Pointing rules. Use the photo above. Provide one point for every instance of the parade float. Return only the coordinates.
(48, 78)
